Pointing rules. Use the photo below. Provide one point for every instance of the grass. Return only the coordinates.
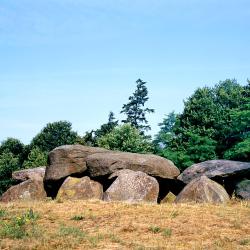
(18, 227)
(77, 217)
(100, 225)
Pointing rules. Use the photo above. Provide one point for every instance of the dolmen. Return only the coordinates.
(77, 172)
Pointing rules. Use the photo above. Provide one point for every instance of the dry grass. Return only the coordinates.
(99, 225)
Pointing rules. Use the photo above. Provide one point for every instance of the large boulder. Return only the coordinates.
(131, 186)
(107, 163)
(29, 174)
(80, 189)
(202, 190)
(67, 160)
(27, 190)
(242, 190)
(216, 169)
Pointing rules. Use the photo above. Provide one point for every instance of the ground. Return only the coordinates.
(99, 225)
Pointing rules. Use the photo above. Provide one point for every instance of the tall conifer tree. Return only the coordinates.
(135, 110)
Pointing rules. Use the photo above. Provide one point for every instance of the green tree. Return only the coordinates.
(8, 164)
(166, 133)
(107, 127)
(36, 158)
(239, 130)
(135, 110)
(214, 124)
(240, 151)
(53, 135)
(125, 138)
(12, 145)
(90, 138)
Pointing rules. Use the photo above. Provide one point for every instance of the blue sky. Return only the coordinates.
(77, 60)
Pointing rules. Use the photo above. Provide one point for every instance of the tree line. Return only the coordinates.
(214, 124)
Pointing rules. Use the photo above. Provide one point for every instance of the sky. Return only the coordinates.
(77, 60)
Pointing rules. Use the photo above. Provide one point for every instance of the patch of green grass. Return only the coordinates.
(77, 217)
(245, 242)
(155, 229)
(95, 239)
(167, 232)
(20, 226)
(3, 213)
(72, 231)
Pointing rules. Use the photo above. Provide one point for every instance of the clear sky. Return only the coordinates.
(77, 60)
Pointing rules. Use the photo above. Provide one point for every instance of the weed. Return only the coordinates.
(167, 232)
(77, 217)
(31, 215)
(20, 226)
(245, 242)
(155, 229)
(2, 213)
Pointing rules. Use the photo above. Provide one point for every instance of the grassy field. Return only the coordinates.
(99, 225)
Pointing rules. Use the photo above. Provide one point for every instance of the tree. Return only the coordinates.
(134, 109)
(12, 145)
(8, 164)
(125, 138)
(36, 158)
(53, 135)
(240, 151)
(165, 135)
(90, 138)
(239, 130)
(107, 127)
(214, 124)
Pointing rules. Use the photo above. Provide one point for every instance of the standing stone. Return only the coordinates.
(27, 190)
(131, 186)
(80, 189)
(242, 190)
(107, 163)
(202, 190)
(29, 174)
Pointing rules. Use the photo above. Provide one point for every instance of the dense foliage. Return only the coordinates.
(8, 164)
(214, 124)
(125, 138)
(53, 135)
(36, 158)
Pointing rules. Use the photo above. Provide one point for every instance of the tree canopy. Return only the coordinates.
(53, 135)
(214, 124)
